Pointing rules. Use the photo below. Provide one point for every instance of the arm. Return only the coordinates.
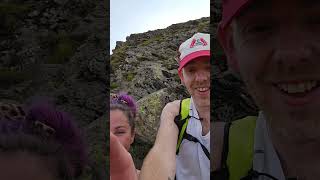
(121, 163)
(160, 163)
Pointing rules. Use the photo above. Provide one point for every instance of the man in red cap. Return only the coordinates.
(275, 46)
(190, 160)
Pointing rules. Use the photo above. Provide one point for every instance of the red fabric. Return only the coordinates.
(191, 57)
(230, 9)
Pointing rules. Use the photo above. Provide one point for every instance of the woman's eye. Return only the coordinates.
(120, 132)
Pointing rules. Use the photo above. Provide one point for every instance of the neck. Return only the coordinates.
(299, 154)
(204, 114)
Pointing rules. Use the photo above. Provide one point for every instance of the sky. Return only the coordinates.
(138, 16)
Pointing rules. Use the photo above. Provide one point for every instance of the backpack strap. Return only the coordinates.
(237, 150)
(240, 147)
(194, 139)
(182, 120)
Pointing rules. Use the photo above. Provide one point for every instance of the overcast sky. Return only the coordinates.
(137, 16)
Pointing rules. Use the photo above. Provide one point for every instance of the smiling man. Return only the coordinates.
(275, 47)
(181, 149)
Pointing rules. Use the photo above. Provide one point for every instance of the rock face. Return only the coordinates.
(57, 48)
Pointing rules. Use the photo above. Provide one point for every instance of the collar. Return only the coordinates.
(193, 110)
(265, 158)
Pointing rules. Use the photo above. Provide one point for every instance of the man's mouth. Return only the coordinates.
(299, 87)
(203, 89)
(299, 93)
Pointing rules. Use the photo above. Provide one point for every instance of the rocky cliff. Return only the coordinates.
(57, 48)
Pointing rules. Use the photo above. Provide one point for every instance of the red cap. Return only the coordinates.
(230, 9)
(196, 46)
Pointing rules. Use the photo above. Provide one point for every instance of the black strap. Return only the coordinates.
(180, 122)
(223, 172)
(194, 139)
(225, 149)
(252, 174)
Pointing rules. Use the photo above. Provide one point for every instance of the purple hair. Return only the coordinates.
(16, 125)
(126, 100)
(127, 105)
(66, 132)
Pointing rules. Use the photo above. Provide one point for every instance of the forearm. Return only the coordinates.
(157, 167)
(160, 162)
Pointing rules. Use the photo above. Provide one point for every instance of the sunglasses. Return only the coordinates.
(115, 99)
(44, 129)
(11, 111)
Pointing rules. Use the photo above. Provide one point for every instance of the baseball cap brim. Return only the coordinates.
(232, 9)
(193, 56)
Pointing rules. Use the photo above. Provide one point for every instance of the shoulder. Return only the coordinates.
(171, 110)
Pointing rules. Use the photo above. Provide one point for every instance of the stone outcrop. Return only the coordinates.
(57, 48)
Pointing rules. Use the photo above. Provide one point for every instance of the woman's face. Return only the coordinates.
(26, 166)
(119, 126)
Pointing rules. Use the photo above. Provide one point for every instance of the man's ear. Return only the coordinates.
(225, 37)
(181, 76)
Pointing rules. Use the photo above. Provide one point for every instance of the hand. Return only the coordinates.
(172, 108)
(121, 163)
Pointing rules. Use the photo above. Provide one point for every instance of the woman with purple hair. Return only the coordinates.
(123, 112)
(39, 143)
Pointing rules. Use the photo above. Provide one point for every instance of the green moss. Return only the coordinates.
(202, 26)
(98, 155)
(143, 58)
(139, 151)
(10, 14)
(118, 56)
(10, 77)
(157, 38)
(63, 50)
(114, 85)
(11, 8)
(130, 76)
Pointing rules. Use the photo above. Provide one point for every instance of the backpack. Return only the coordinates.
(237, 152)
(182, 121)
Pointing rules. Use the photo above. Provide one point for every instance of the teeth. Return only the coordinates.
(202, 89)
(297, 87)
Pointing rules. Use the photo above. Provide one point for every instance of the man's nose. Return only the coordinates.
(202, 75)
(289, 59)
(293, 49)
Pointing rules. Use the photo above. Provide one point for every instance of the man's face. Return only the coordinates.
(196, 77)
(277, 48)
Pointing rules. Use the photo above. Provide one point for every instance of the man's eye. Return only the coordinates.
(191, 70)
(259, 28)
